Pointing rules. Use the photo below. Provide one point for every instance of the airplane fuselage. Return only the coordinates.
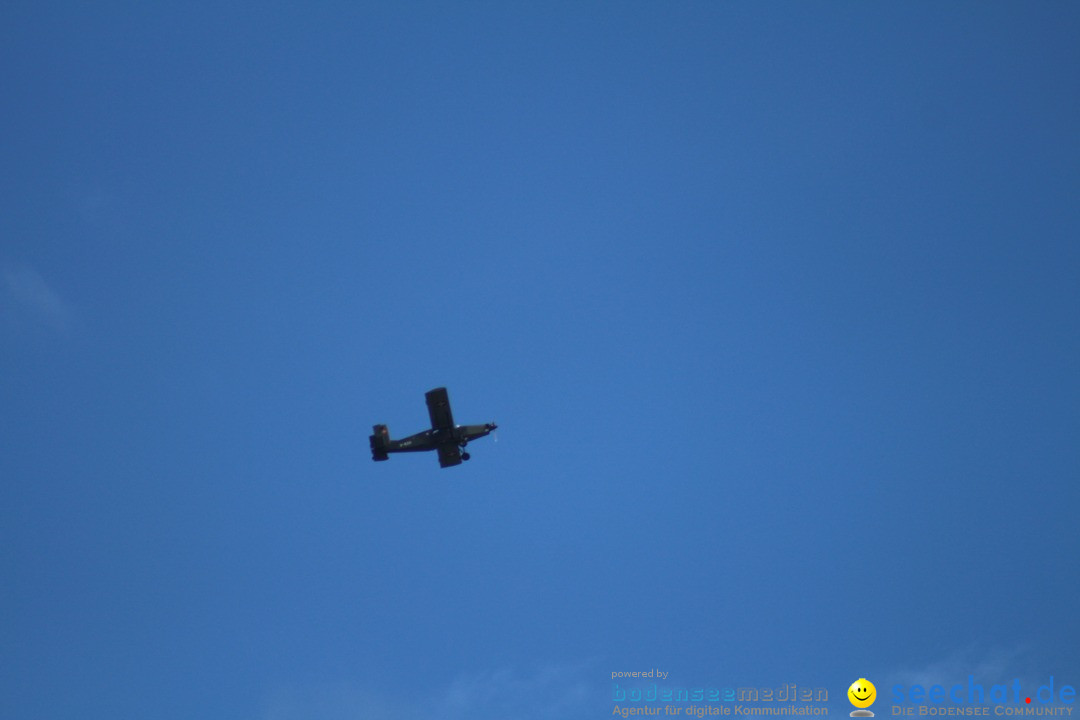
(432, 439)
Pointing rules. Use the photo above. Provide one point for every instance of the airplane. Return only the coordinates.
(446, 438)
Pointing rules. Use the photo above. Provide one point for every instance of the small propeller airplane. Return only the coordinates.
(446, 438)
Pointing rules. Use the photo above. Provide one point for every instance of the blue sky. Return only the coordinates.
(775, 305)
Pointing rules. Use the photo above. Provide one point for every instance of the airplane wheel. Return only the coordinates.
(465, 456)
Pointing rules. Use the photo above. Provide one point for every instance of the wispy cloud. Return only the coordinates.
(553, 692)
(993, 665)
(26, 294)
(987, 666)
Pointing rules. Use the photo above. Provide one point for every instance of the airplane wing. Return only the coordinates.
(449, 455)
(438, 405)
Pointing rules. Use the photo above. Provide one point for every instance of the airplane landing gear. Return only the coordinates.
(465, 456)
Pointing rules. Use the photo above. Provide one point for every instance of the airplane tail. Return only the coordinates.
(379, 441)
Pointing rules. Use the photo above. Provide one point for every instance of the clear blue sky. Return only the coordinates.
(776, 305)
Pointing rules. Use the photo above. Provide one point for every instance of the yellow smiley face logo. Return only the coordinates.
(862, 693)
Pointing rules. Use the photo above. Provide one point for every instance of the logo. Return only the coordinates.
(862, 695)
(966, 699)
